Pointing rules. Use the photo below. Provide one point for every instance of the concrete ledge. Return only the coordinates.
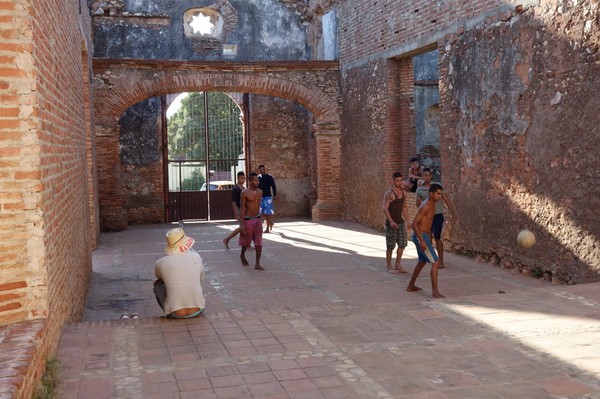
(22, 362)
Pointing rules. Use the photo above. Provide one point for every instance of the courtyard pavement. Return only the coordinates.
(325, 320)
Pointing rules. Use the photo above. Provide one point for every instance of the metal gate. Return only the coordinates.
(204, 151)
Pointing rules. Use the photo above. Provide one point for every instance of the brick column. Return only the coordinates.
(408, 133)
(113, 216)
(90, 146)
(329, 199)
(400, 132)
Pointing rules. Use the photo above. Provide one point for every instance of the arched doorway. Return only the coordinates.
(204, 150)
(118, 84)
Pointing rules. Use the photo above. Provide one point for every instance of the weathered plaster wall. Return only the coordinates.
(280, 139)
(153, 29)
(521, 120)
(363, 135)
(141, 162)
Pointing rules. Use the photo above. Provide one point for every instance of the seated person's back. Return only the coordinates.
(178, 288)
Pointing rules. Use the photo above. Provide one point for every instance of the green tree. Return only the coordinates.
(186, 129)
(194, 182)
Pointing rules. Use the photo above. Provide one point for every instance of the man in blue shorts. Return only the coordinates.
(422, 238)
(269, 190)
(438, 220)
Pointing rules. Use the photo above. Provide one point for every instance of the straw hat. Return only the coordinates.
(177, 241)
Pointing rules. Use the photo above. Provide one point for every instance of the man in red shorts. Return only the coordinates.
(251, 222)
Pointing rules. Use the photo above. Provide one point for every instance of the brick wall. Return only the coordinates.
(368, 28)
(522, 128)
(44, 225)
(280, 139)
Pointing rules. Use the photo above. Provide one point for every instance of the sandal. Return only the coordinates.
(124, 316)
(135, 316)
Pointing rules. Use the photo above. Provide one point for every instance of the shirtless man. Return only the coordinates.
(422, 238)
(250, 221)
(236, 195)
(438, 220)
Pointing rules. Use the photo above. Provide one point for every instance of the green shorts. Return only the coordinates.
(395, 236)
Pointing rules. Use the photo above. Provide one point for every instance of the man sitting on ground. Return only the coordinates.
(178, 289)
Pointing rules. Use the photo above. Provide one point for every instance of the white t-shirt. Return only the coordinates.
(182, 274)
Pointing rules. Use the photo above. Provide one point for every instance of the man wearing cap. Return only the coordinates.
(178, 289)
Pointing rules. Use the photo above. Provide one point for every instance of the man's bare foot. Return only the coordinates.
(438, 295)
(226, 243)
(441, 265)
(244, 261)
(392, 271)
(413, 288)
(267, 229)
(259, 267)
(400, 269)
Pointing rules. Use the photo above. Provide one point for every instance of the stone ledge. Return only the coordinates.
(19, 358)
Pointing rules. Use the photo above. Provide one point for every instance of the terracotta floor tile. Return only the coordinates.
(326, 321)
(563, 386)
(260, 377)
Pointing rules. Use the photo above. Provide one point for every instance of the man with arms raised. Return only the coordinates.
(422, 238)
(250, 221)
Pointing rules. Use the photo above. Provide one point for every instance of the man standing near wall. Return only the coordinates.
(422, 238)
(250, 222)
(438, 220)
(236, 194)
(266, 184)
(396, 213)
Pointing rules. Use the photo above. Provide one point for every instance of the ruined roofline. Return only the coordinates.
(107, 63)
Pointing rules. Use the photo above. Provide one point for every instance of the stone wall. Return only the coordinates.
(140, 151)
(363, 133)
(154, 29)
(45, 218)
(280, 138)
(518, 130)
(520, 119)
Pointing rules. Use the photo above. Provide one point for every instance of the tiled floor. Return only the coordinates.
(326, 321)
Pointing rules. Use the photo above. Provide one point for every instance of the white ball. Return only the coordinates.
(526, 239)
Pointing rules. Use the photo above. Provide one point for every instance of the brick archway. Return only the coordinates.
(118, 84)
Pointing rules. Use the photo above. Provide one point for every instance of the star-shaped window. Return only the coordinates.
(201, 24)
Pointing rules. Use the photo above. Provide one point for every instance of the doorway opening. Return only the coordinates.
(204, 147)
